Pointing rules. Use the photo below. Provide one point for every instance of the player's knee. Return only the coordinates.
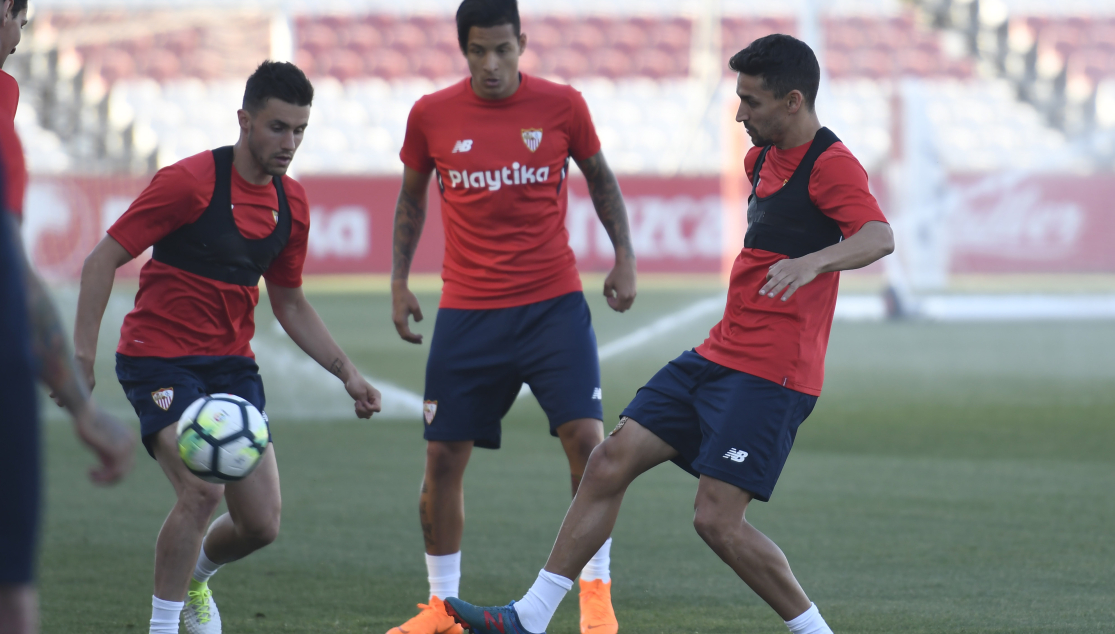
(445, 461)
(605, 464)
(711, 524)
(200, 500)
(261, 532)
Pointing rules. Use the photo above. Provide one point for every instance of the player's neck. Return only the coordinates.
(799, 132)
(247, 167)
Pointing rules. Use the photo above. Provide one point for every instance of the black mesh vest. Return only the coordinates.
(213, 247)
(787, 222)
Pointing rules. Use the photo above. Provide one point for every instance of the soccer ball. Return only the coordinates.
(222, 438)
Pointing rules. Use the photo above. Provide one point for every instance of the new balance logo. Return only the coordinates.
(462, 146)
(490, 622)
(597, 395)
(736, 455)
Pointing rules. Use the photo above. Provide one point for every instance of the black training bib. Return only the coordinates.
(213, 247)
(787, 221)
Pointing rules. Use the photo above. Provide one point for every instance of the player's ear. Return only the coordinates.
(794, 101)
(7, 12)
(522, 43)
(245, 119)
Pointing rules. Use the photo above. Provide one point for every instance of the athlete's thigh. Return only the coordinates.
(159, 391)
(557, 357)
(665, 407)
(471, 379)
(164, 448)
(256, 499)
(632, 449)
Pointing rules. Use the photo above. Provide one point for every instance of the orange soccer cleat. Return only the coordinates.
(431, 619)
(597, 616)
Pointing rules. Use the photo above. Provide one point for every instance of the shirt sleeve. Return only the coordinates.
(286, 269)
(583, 142)
(174, 198)
(416, 150)
(838, 186)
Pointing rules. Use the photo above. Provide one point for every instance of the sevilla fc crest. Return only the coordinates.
(533, 138)
(163, 397)
(429, 408)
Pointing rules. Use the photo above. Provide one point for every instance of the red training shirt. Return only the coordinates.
(785, 341)
(499, 164)
(181, 314)
(11, 150)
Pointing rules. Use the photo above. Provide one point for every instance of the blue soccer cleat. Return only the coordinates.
(494, 620)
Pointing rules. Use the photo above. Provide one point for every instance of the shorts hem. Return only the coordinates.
(761, 492)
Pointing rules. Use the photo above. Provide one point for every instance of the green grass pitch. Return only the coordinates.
(953, 478)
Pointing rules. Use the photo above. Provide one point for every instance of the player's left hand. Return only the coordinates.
(368, 399)
(619, 286)
(789, 275)
(110, 439)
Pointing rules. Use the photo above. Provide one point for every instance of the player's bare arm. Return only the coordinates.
(410, 215)
(619, 286)
(97, 276)
(107, 437)
(873, 241)
(306, 329)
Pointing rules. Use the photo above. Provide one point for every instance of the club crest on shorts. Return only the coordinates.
(429, 408)
(275, 215)
(163, 397)
(533, 138)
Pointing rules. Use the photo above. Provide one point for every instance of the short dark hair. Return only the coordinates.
(17, 6)
(282, 80)
(484, 14)
(785, 63)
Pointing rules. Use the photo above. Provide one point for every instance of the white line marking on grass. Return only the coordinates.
(654, 329)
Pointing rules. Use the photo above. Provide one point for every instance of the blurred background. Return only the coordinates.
(987, 128)
(952, 477)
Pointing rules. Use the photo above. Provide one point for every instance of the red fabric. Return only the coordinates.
(11, 150)
(9, 96)
(178, 313)
(505, 242)
(785, 342)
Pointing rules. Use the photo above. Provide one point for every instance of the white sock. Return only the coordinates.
(165, 615)
(204, 568)
(444, 574)
(809, 622)
(542, 600)
(599, 567)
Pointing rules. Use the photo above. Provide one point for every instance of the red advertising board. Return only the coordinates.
(998, 223)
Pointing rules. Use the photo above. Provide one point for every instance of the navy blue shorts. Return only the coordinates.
(479, 360)
(725, 424)
(19, 425)
(161, 389)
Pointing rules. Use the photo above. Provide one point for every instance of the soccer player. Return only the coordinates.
(31, 338)
(218, 221)
(512, 308)
(728, 411)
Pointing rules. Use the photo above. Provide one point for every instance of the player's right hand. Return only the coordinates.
(403, 305)
(112, 442)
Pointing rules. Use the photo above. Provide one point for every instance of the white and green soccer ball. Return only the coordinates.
(222, 438)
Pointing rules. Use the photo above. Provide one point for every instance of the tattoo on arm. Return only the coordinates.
(608, 201)
(336, 367)
(410, 215)
(48, 341)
